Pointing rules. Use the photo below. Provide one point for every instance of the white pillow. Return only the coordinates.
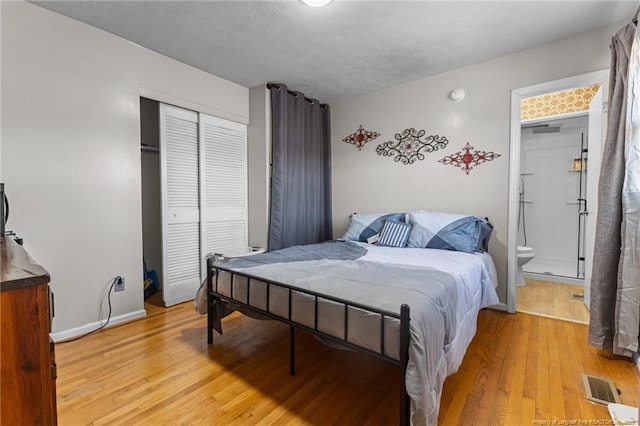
(364, 226)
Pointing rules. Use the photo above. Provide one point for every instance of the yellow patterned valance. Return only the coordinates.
(556, 103)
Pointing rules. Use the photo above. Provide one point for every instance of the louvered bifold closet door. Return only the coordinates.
(179, 159)
(223, 163)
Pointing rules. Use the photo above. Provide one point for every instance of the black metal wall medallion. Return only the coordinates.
(410, 146)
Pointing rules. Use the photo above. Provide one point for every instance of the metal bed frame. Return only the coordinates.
(213, 272)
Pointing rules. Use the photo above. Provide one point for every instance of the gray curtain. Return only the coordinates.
(300, 210)
(613, 324)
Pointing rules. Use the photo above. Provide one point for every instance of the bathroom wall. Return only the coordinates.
(549, 188)
(557, 103)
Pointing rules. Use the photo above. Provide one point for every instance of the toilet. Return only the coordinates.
(525, 254)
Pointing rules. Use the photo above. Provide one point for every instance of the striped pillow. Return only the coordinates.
(394, 234)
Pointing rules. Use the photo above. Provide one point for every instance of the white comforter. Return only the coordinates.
(444, 289)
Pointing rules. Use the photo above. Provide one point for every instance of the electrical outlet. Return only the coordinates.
(119, 284)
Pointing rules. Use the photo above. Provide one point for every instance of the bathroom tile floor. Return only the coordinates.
(552, 299)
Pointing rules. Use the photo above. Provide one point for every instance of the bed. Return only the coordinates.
(412, 306)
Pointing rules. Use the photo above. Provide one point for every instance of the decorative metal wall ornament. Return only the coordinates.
(360, 137)
(467, 159)
(409, 147)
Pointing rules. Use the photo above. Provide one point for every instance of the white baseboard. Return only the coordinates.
(78, 331)
(499, 307)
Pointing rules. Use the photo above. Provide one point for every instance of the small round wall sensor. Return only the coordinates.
(456, 95)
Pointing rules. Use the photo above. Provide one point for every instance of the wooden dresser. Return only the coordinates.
(27, 357)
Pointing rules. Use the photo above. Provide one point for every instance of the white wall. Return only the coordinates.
(364, 181)
(259, 147)
(71, 150)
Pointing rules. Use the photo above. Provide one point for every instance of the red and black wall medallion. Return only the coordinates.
(468, 158)
(360, 137)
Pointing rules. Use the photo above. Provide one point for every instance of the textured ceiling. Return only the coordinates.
(347, 48)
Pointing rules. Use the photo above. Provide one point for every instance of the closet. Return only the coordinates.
(194, 194)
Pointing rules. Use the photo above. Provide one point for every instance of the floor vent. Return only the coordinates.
(600, 390)
(577, 296)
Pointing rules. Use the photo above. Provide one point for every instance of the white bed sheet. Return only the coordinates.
(478, 268)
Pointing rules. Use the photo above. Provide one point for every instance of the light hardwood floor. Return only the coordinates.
(160, 371)
(552, 299)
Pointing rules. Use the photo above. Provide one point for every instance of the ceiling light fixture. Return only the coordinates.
(316, 3)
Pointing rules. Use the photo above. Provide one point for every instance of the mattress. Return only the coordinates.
(444, 290)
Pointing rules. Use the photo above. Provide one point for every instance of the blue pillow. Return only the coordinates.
(364, 226)
(394, 234)
(448, 231)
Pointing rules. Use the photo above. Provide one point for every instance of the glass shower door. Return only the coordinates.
(580, 165)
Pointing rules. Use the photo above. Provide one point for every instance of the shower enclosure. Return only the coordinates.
(552, 196)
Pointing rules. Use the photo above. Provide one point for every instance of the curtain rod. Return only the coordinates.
(276, 86)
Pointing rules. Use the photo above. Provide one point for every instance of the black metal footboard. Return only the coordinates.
(213, 294)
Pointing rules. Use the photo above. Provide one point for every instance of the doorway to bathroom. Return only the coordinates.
(556, 152)
(552, 197)
(551, 209)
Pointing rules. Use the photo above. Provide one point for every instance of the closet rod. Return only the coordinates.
(150, 149)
